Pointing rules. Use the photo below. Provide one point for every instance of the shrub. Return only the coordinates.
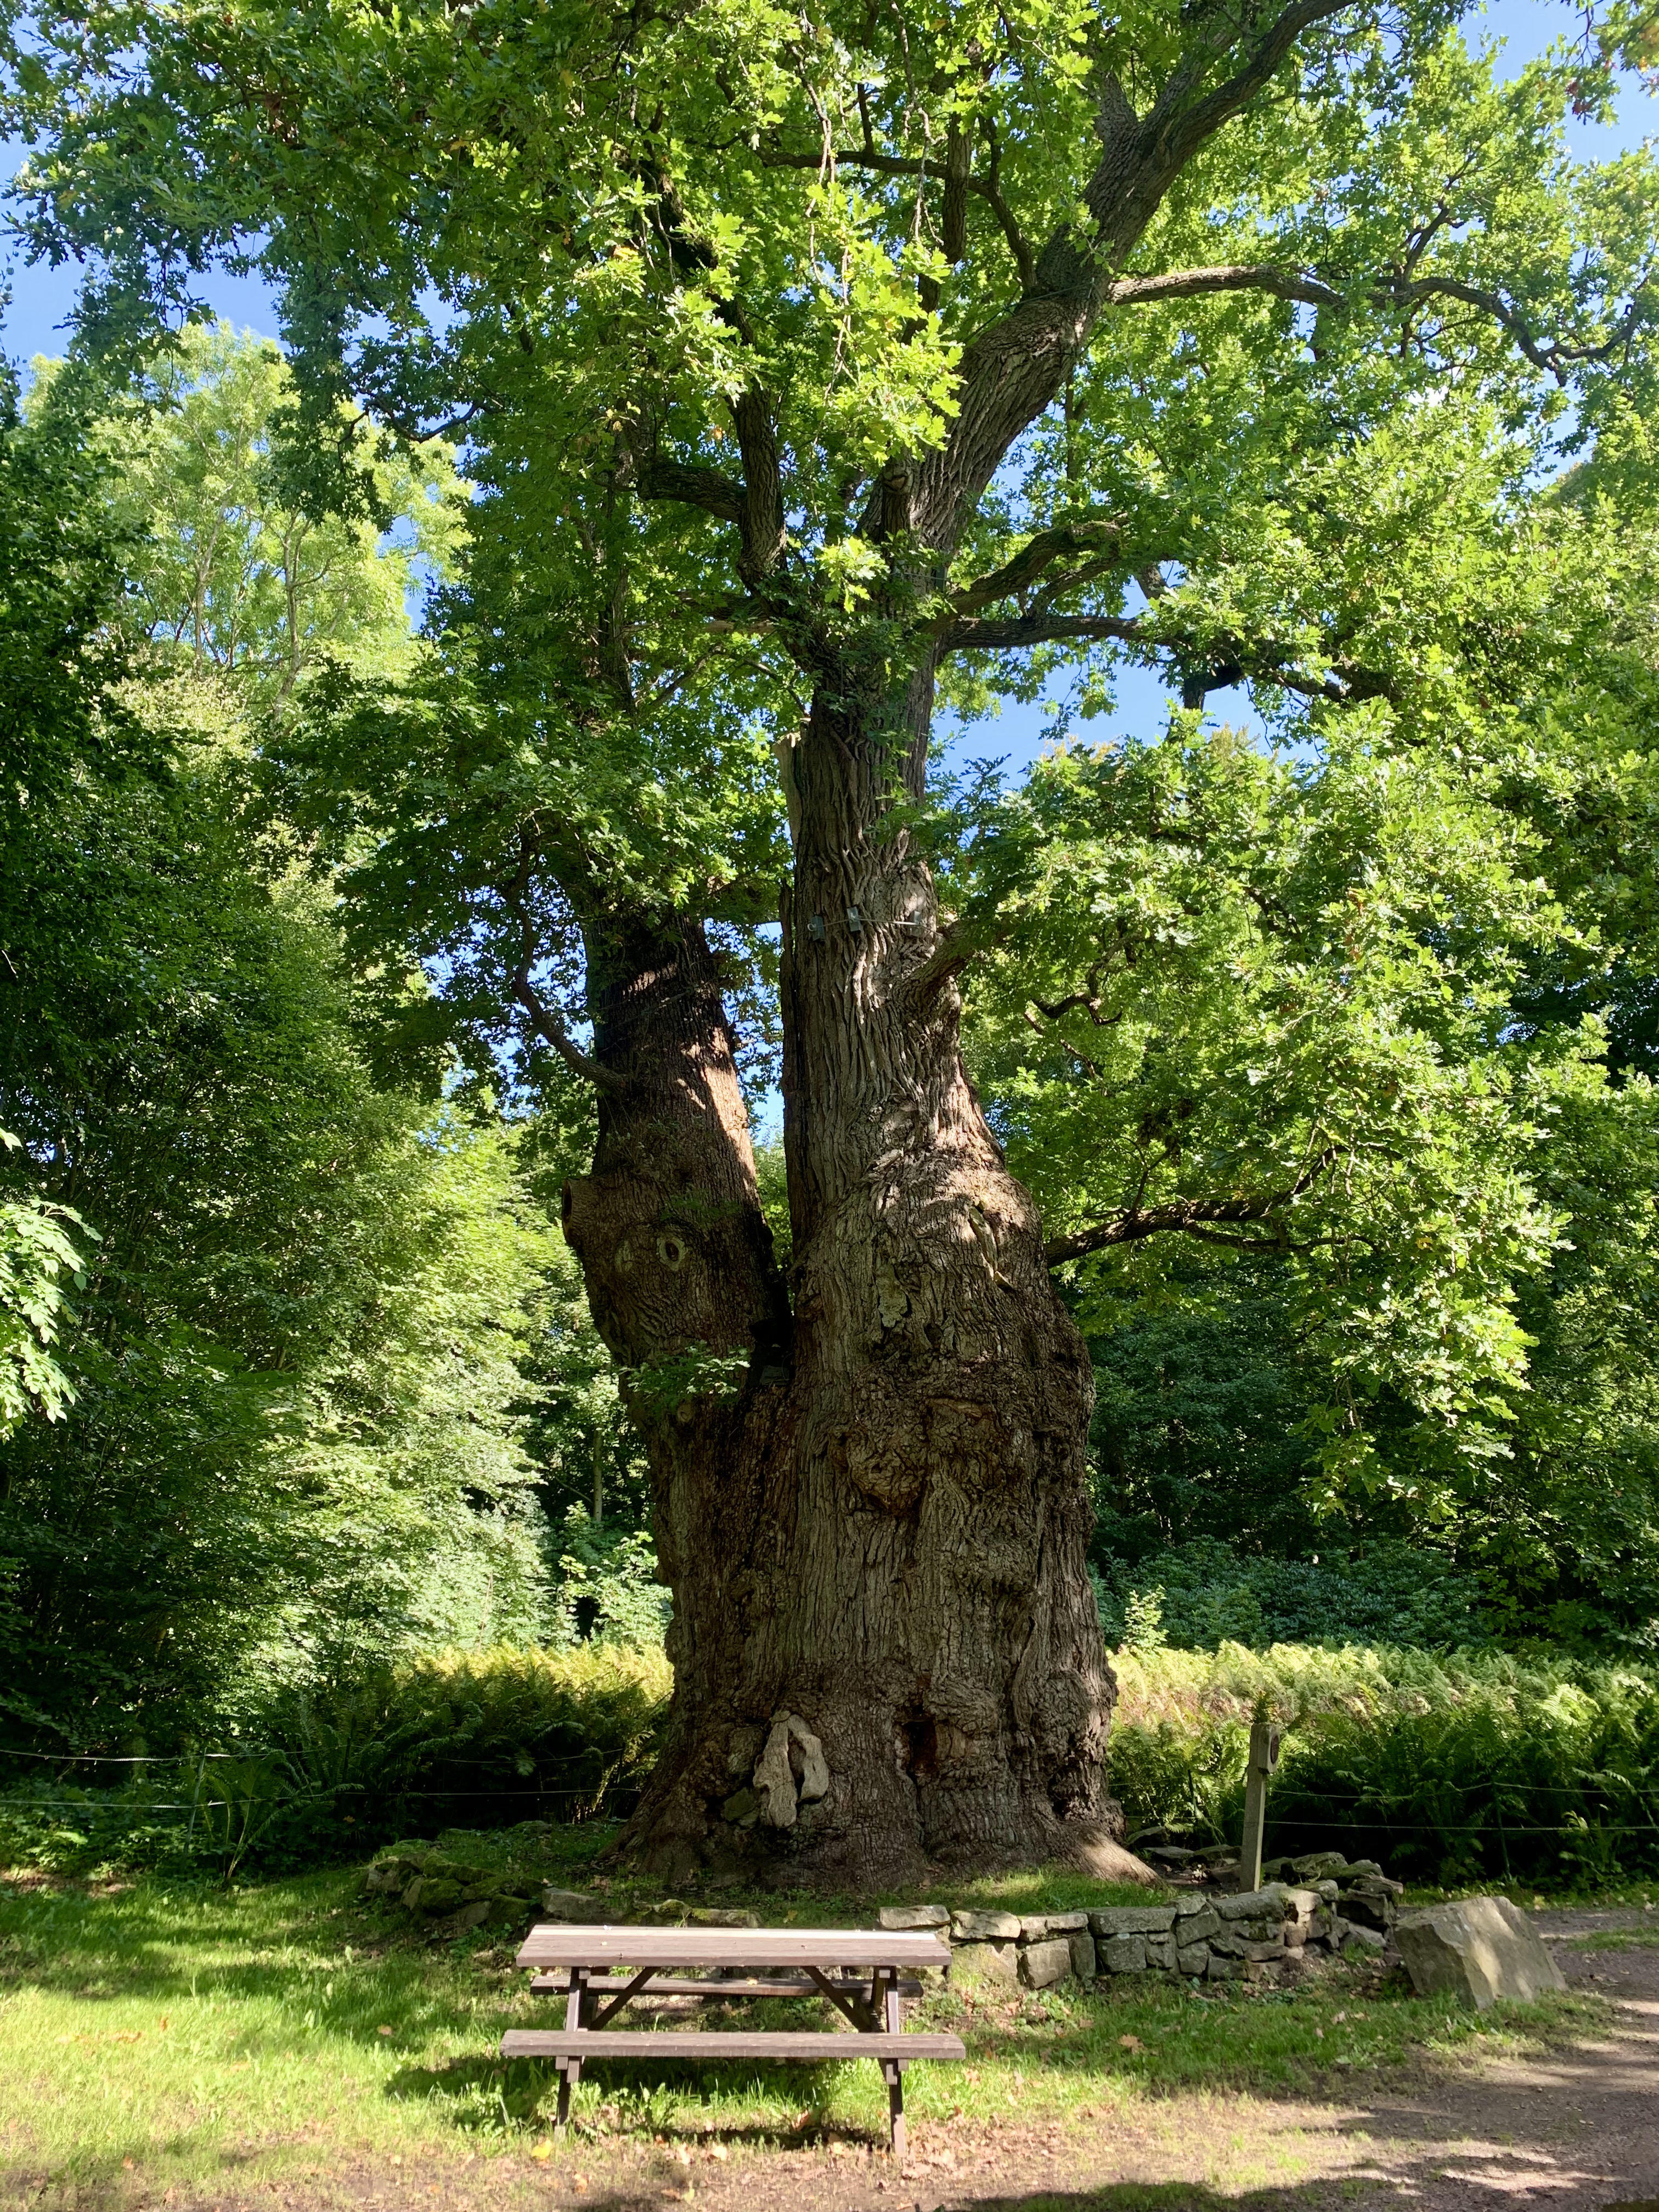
(1479, 1764)
(474, 1740)
(479, 1740)
(608, 1588)
(1203, 1593)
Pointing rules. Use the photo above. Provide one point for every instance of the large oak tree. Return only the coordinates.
(901, 325)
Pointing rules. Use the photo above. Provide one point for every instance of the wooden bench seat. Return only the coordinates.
(583, 2043)
(601, 1948)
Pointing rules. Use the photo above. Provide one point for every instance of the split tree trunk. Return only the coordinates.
(676, 1255)
(882, 1532)
(933, 1620)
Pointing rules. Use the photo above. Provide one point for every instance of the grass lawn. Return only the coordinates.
(156, 2037)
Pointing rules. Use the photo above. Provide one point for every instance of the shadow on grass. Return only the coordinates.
(284, 1944)
(1167, 2196)
(640, 2096)
(1373, 2192)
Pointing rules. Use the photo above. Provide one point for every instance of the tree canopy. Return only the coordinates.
(808, 374)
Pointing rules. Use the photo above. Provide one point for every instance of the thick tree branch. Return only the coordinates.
(761, 519)
(1264, 663)
(755, 505)
(1038, 553)
(1554, 358)
(957, 948)
(1188, 129)
(547, 1023)
(1226, 276)
(552, 1031)
(989, 186)
(1550, 355)
(694, 485)
(972, 635)
(1012, 372)
(1196, 1217)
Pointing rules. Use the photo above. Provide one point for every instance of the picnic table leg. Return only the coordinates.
(895, 2073)
(884, 2003)
(570, 2069)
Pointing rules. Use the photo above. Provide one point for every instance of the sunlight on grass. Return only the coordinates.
(287, 2028)
(188, 2028)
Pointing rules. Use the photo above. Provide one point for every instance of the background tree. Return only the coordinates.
(316, 1307)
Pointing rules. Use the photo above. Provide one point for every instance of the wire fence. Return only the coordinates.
(1608, 1812)
(113, 1801)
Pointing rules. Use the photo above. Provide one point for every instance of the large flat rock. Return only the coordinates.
(1481, 1949)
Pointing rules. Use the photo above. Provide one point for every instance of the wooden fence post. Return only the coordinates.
(1264, 1757)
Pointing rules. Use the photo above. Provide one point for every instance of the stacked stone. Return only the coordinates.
(1031, 1949)
(1362, 1896)
(1275, 1933)
(1331, 1908)
(451, 1890)
(1253, 1935)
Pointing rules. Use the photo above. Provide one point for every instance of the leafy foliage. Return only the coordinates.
(1290, 988)
(1203, 1594)
(38, 1259)
(229, 571)
(315, 1306)
(1481, 1764)
(839, 356)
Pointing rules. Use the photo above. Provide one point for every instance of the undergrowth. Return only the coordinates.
(1478, 1765)
(1468, 1767)
(472, 1740)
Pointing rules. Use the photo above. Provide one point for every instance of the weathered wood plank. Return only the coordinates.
(682, 1985)
(588, 2043)
(553, 1943)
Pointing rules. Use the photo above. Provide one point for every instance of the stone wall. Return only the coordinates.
(1276, 1932)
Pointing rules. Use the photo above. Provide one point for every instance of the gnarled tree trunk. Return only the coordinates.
(676, 1255)
(884, 1641)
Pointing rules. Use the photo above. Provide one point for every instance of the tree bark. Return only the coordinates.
(675, 1254)
(684, 1289)
(876, 1549)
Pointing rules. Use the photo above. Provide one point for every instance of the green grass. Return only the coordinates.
(289, 2028)
(1615, 1939)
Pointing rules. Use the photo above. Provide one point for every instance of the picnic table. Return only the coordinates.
(862, 1971)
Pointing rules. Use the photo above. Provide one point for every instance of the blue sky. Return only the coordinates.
(41, 299)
